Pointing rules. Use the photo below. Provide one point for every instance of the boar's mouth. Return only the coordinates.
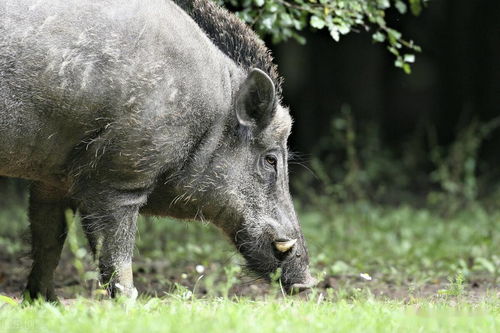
(263, 260)
(295, 288)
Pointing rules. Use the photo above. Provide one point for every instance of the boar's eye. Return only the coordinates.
(272, 161)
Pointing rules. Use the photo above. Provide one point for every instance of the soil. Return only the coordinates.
(151, 279)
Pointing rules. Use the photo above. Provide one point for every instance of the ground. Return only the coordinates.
(381, 269)
(185, 315)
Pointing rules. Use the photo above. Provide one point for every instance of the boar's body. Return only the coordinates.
(129, 76)
(113, 107)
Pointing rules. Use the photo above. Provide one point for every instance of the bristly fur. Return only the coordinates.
(117, 108)
(233, 37)
(244, 132)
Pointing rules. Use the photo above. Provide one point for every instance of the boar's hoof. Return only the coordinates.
(121, 291)
(45, 293)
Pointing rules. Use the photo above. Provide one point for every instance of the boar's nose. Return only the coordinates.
(307, 283)
(284, 245)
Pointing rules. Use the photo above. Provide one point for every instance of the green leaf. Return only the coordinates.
(259, 3)
(300, 39)
(334, 32)
(268, 21)
(401, 7)
(407, 68)
(384, 4)
(245, 16)
(8, 300)
(393, 50)
(409, 58)
(286, 19)
(344, 29)
(378, 37)
(394, 36)
(416, 7)
(281, 20)
(272, 7)
(317, 22)
(490, 267)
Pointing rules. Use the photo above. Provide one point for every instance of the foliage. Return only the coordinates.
(401, 244)
(283, 19)
(350, 163)
(456, 286)
(455, 167)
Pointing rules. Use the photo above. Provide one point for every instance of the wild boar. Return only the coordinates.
(118, 107)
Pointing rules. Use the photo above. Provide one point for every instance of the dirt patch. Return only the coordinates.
(156, 278)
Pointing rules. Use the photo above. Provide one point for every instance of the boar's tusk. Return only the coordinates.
(285, 246)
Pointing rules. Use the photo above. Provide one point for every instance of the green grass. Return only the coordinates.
(222, 315)
(430, 273)
(400, 245)
(403, 243)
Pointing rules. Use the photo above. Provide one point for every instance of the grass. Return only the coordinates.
(404, 243)
(221, 315)
(396, 269)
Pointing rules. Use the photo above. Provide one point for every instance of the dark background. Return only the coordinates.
(455, 81)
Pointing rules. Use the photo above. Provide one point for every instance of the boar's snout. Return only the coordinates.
(265, 254)
(293, 257)
(307, 283)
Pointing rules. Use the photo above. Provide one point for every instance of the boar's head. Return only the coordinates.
(241, 185)
(258, 213)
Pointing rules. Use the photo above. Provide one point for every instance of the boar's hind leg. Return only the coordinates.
(48, 231)
(109, 220)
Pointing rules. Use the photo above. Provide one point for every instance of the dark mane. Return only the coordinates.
(232, 36)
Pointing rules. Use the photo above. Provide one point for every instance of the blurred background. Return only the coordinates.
(436, 130)
(394, 176)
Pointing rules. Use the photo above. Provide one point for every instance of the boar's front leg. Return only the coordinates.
(48, 232)
(109, 219)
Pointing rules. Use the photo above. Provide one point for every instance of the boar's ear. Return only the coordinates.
(255, 101)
